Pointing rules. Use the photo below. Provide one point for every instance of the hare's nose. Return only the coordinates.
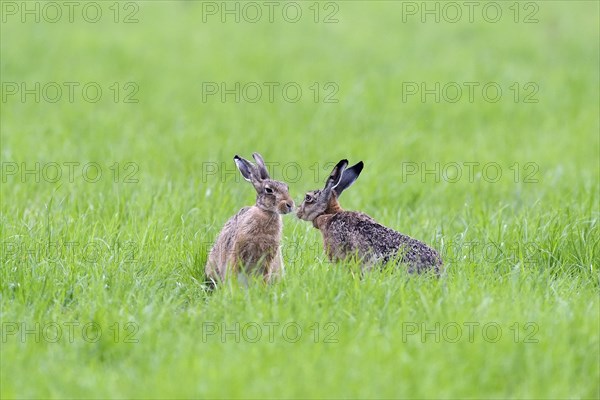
(290, 205)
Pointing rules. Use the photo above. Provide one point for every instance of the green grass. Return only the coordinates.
(125, 259)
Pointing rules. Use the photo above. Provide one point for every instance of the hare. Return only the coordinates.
(351, 233)
(249, 241)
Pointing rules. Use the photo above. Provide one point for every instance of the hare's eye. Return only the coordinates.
(268, 190)
(308, 198)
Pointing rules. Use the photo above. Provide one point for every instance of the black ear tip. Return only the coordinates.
(342, 162)
(236, 157)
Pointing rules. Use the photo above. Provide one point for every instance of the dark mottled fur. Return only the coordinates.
(350, 233)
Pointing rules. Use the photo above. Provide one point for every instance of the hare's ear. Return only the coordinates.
(336, 175)
(246, 168)
(262, 170)
(349, 176)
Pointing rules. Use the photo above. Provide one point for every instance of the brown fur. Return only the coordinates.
(250, 240)
(333, 207)
(349, 233)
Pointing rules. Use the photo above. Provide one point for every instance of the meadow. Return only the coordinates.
(478, 126)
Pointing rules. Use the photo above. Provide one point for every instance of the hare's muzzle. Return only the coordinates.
(286, 206)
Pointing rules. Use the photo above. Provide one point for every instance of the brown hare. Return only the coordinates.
(249, 243)
(351, 233)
